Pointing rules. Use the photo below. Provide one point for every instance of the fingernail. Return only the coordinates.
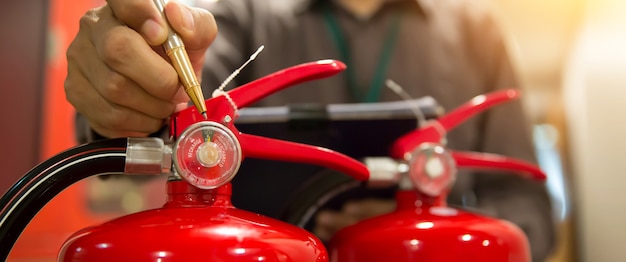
(188, 22)
(152, 30)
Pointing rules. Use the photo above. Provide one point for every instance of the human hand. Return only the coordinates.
(118, 76)
(328, 222)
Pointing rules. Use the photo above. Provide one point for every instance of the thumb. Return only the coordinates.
(195, 26)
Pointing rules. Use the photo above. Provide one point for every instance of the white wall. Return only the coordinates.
(595, 95)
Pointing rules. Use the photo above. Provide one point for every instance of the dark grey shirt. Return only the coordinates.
(449, 49)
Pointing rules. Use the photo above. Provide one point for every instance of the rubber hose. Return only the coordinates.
(41, 184)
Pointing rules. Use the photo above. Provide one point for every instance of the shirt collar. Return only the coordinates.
(303, 5)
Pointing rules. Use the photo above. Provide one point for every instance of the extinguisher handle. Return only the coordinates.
(222, 105)
(225, 105)
(477, 105)
(274, 149)
(436, 130)
(260, 88)
(498, 162)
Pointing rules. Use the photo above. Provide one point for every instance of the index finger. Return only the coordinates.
(123, 51)
(142, 16)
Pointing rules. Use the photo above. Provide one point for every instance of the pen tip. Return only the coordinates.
(204, 115)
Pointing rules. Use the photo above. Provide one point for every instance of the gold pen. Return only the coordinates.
(175, 50)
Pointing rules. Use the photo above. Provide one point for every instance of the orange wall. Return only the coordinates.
(67, 212)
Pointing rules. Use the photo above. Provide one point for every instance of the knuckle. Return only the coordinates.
(75, 53)
(87, 21)
(75, 89)
(116, 87)
(70, 91)
(72, 51)
(116, 46)
(86, 25)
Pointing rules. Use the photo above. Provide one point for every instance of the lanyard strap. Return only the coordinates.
(374, 91)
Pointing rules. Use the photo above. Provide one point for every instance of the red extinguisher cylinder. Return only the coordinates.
(194, 225)
(423, 232)
(423, 228)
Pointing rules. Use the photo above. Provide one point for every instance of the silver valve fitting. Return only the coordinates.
(148, 156)
(385, 171)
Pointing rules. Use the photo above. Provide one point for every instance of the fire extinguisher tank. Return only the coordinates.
(194, 225)
(423, 228)
(430, 233)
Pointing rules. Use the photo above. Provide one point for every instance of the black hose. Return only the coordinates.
(35, 189)
(327, 189)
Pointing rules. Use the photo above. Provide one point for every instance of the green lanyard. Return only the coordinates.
(375, 88)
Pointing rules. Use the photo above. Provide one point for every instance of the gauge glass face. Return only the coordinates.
(432, 169)
(207, 155)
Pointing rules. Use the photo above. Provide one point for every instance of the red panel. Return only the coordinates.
(67, 212)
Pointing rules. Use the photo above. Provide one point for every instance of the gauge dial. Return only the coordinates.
(432, 169)
(207, 155)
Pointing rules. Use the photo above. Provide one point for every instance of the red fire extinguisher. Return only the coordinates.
(423, 228)
(198, 222)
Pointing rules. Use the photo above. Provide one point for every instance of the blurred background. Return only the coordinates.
(571, 55)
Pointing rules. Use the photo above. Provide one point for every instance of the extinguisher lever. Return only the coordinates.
(477, 105)
(222, 105)
(497, 162)
(274, 149)
(260, 88)
(435, 131)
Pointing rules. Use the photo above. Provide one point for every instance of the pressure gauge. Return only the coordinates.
(207, 155)
(432, 169)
